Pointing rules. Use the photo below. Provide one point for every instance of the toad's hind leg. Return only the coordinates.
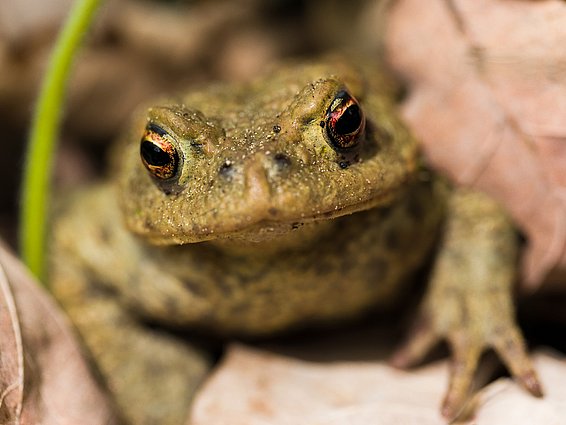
(469, 301)
(151, 375)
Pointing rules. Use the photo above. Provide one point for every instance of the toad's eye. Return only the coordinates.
(345, 121)
(158, 153)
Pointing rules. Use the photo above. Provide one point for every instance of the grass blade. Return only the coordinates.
(44, 133)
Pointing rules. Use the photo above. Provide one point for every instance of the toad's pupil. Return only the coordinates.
(154, 155)
(349, 121)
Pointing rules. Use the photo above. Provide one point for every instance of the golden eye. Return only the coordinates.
(345, 121)
(158, 153)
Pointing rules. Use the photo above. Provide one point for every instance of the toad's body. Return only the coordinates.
(294, 199)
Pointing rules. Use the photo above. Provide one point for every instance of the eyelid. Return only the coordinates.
(156, 129)
(309, 102)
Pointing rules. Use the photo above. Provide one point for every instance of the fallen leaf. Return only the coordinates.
(12, 366)
(487, 98)
(503, 402)
(254, 387)
(44, 377)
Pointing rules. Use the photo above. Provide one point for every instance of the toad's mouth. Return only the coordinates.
(278, 225)
(271, 224)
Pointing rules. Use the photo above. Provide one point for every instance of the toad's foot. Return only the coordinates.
(469, 301)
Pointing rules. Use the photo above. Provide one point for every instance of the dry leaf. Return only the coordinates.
(503, 402)
(43, 375)
(488, 98)
(11, 368)
(253, 387)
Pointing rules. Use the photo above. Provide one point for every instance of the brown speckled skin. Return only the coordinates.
(282, 236)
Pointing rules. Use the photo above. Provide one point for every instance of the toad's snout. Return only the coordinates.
(257, 186)
(262, 173)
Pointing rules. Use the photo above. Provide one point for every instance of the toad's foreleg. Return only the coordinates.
(469, 301)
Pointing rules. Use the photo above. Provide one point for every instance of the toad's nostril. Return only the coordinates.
(227, 169)
(281, 160)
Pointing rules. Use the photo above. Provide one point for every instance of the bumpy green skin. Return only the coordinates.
(282, 237)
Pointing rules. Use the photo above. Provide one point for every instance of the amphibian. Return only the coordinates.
(248, 209)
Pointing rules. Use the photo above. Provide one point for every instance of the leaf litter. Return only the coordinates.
(487, 98)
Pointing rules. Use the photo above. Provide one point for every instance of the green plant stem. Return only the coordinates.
(43, 136)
